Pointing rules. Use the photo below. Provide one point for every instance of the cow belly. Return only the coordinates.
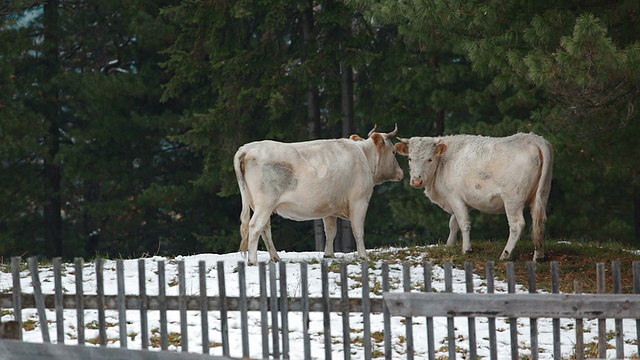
(302, 210)
(488, 203)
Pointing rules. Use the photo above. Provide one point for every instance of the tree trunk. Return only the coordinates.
(52, 171)
(313, 112)
(440, 122)
(346, 89)
(91, 225)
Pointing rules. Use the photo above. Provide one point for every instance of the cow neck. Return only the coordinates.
(369, 149)
(430, 184)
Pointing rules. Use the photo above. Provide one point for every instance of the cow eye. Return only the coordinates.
(430, 160)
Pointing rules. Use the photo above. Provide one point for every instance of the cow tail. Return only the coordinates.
(539, 203)
(245, 215)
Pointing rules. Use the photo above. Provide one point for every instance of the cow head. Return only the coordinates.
(386, 167)
(424, 156)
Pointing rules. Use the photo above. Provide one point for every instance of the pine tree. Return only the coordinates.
(562, 69)
(86, 110)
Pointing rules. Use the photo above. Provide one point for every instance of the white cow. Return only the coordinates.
(492, 175)
(320, 179)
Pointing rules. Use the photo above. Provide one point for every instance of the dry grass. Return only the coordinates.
(576, 261)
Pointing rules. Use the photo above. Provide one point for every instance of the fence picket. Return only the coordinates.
(427, 289)
(386, 316)
(579, 351)
(204, 306)
(244, 321)
(451, 332)
(366, 309)
(513, 322)
(182, 293)
(636, 290)
(406, 281)
(326, 308)
(533, 322)
(264, 319)
(617, 289)
(471, 321)
(602, 323)
(79, 265)
(555, 288)
(57, 280)
(142, 298)
(493, 343)
(162, 301)
(102, 323)
(122, 306)
(284, 310)
(304, 285)
(16, 292)
(273, 298)
(344, 309)
(222, 306)
(37, 294)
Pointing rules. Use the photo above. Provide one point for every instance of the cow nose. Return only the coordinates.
(417, 182)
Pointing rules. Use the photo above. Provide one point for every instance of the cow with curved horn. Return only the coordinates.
(492, 175)
(319, 179)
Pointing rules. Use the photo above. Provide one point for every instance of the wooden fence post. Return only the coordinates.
(37, 293)
(17, 291)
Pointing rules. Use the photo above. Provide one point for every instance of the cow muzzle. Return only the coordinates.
(399, 175)
(417, 182)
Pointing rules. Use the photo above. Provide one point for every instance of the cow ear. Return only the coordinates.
(440, 149)
(378, 139)
(356, 137)
(402, 148)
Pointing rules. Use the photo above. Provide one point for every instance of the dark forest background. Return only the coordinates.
(119, 118)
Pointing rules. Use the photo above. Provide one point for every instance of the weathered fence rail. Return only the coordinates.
(16, 350)
(132, 302)
(402, 313)
(609, 306)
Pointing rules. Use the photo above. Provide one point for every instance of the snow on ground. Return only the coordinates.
(294, 289)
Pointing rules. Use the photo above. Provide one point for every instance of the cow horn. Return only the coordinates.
(372, 130)
(406, 141)
(394, 132)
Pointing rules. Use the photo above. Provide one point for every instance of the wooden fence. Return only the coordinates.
(275, 305)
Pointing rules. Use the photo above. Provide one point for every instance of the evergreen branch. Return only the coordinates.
(17, 6)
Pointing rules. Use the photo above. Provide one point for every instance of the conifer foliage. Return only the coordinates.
(119, 119)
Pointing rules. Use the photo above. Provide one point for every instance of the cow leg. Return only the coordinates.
(461, 214)
(330, 230)
(268, 241)
(454, 228)
(257, 225)
(516, 225)
(357, 214)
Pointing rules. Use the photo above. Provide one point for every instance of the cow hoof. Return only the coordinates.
(275, 259)
(539, 258)
(327, 256)
(505, 255)
(468, 251)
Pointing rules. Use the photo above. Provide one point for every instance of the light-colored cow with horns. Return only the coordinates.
(320, 179)
(492, 175)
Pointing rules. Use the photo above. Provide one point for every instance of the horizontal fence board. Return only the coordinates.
(132, 302)
(610, 306)
(17, 350)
